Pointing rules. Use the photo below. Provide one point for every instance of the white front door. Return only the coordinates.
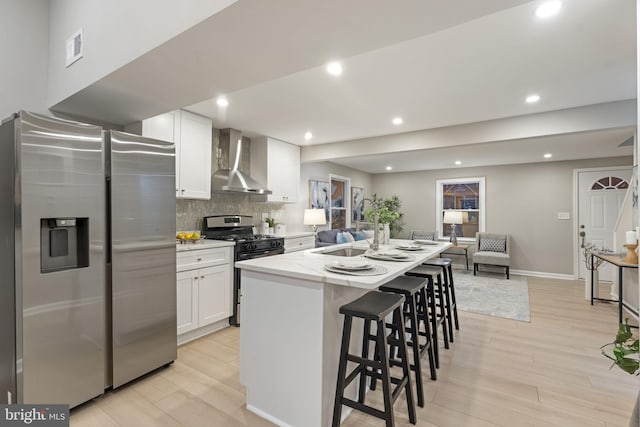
(600, 196)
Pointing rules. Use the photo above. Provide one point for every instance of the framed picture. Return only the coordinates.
(319, 196)
(357, 203)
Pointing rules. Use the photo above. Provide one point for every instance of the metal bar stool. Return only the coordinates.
(374, 306)
(436, 304)
(452, 307)
(410, 287)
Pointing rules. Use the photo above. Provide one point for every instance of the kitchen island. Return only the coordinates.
(291, 329)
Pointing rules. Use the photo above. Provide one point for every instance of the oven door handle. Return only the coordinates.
(243, 257)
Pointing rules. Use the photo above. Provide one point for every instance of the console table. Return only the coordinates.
(620, 263)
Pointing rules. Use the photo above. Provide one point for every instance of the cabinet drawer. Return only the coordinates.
(293, 244)
(190, 260)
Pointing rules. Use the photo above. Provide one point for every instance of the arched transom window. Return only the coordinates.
(610, 183)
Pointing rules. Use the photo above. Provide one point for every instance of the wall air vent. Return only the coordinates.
(74, 47)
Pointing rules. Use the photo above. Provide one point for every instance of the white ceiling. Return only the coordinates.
(434, 63)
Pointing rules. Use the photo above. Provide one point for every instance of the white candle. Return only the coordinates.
(631, 238)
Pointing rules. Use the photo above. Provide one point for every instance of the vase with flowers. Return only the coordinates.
(385, 212)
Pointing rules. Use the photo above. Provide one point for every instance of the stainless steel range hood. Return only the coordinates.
(233, 179)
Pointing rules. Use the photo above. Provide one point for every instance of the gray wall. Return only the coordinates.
(24, 27)
(522, 200)
(115, 33)
(320, 171)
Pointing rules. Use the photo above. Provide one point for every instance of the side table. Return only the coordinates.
(457, 250)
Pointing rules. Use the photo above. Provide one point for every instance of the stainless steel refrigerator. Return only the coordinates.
(87, 291)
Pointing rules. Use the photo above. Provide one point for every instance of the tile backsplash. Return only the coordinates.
(189, 213)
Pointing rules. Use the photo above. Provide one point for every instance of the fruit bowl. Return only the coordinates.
(183, 241)
(189, 237)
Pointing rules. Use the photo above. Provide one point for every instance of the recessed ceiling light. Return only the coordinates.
(397, 121)
(458, 162)
(548, 9)
(334, 68)
(222, 101)
(531, 99)
(547, 156)
(308, 135)
(389, 168)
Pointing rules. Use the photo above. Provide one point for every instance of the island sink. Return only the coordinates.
(345, 252)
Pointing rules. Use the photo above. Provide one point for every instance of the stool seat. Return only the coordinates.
(424, 270)
(404, 285)
(373, 305)
(438, 261)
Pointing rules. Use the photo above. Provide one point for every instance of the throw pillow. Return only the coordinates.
(359, 235)
(493, 245)
(345, 237)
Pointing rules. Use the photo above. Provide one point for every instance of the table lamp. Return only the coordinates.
(314, 217)
(453, 218)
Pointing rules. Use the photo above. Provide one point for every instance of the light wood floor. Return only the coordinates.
(499, 372)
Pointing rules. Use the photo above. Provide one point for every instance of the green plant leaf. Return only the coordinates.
(630, 366)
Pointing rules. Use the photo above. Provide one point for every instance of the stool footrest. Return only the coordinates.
(364, 408)
(376, 364)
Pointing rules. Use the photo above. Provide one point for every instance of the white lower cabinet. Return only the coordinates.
(299, 243)
(204, 289)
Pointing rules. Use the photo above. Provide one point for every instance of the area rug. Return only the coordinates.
(492, 295)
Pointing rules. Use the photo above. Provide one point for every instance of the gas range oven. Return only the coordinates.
(239, 229)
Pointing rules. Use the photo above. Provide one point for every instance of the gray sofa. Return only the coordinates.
(328, 237)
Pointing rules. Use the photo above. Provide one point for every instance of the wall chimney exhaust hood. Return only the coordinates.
(233, 179)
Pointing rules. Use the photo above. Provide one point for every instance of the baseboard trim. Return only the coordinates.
(267, 417)
(543, 274)
(201, 332)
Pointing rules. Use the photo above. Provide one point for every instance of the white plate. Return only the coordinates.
(351, 265)
(426, 242)
(382, 257)
(374, 271)
(390, 254)
(409, 247)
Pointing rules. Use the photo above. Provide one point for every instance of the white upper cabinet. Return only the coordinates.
(276, 164)
(192, 135)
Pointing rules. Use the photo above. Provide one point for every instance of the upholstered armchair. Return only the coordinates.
(423, 235)
(491, 249)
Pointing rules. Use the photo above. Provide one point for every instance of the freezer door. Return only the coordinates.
(143, 254)
(60, 311)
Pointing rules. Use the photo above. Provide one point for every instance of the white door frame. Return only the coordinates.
(576, 237)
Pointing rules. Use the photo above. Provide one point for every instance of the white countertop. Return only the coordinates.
(202, 244)
(309, 264)
(293, 234)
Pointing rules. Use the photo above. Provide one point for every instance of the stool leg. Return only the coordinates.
(381, 344)
(447, 297)
(424, 317)
(433, 317)
(443, 315)
(365, 355)
(406, 372)
(342, 371)
(415, 346)
(454, 304)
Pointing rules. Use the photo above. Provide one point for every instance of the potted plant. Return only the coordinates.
(389, 214)
(624, 351)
